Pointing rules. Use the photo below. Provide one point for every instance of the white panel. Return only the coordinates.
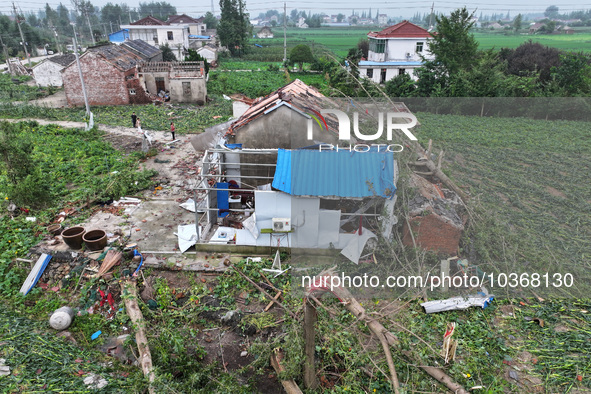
(270, 204)
(244, 237)
(304, 219)
(328, 228)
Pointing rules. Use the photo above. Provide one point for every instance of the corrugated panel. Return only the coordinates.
(335, 174)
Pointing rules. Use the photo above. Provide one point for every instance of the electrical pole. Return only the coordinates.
(18, 23)
(111, 23)
(212, 9)
(4, 49)
(284, 33)
(129, 12)
(57, 41)
(89, 27)
(80, 72)
(431, 17)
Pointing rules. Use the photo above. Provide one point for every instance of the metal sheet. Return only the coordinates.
(328, 228)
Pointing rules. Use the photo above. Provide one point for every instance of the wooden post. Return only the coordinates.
(290, 386)
(310, 318)
(129, 295)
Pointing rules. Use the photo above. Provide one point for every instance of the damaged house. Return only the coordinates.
(112, 76)
(49, 71)
(264, 183)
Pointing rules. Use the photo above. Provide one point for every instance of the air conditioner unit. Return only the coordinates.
(281, 224)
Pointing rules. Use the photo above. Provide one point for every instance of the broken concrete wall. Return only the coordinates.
(150, 81)
(188, 90)
(48, 73)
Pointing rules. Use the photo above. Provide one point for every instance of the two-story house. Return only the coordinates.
(156, 32)
(394, 51)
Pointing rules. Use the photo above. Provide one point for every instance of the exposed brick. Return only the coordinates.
(105, 83)
(433, 232)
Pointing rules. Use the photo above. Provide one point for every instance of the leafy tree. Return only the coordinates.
(234, 26)
(401, 86)
(551, 12)
(210, 20)
(363, 46)
(167, 53)
(110, 13)
(158, 9)
(455, 50)
(531, 57)
(573, 76)
(193, 56)
(340, 18)
(453, 45)
(301, 54)
(517, 23)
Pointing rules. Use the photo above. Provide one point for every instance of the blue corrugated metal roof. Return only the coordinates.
(199, 37)
(335, 173)
(401, 63)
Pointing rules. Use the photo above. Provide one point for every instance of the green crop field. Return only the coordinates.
(340, 39)
(575, 42)
(528, 179)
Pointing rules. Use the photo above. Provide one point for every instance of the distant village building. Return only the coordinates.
(566, 30)
(265, 32)
(209, 52)
(49, 71)
(302, 23)
(394, 51)
(382, 19)
(495, 26)
(534, 28)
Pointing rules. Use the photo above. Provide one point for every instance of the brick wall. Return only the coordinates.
(433, 232)
(105, 84)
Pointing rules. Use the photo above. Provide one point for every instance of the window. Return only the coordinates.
(155, 39)
(132, 91)
(383, 76)
(419, 47)
(401, 71)
(170, 36)
(187, 88)
(370, 72)
(377, 46)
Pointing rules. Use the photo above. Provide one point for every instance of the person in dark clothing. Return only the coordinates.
(134, 119)
(172, 129)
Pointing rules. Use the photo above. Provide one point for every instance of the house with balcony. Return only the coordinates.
(394, 51)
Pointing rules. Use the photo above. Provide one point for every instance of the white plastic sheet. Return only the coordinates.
(355, 246)
(187, 236)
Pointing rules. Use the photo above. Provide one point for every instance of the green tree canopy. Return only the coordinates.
(301, 54)
(210, 20)
(234, 26)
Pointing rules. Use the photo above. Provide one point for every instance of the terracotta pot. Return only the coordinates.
(73, 236)
(55, 229)
(95, 239)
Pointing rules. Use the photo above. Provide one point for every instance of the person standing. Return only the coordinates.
(133, 119)
(172, 130)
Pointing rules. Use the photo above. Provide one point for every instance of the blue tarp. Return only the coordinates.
(335, 173)
(199, 37)
(392, 63)
(119, 36)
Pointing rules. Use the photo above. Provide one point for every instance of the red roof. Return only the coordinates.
(404, 29)
(149, 21)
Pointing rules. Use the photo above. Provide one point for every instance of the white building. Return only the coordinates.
(209, 52)
(175, 32)
(382, 19)
(394, 51)
(48, 72)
